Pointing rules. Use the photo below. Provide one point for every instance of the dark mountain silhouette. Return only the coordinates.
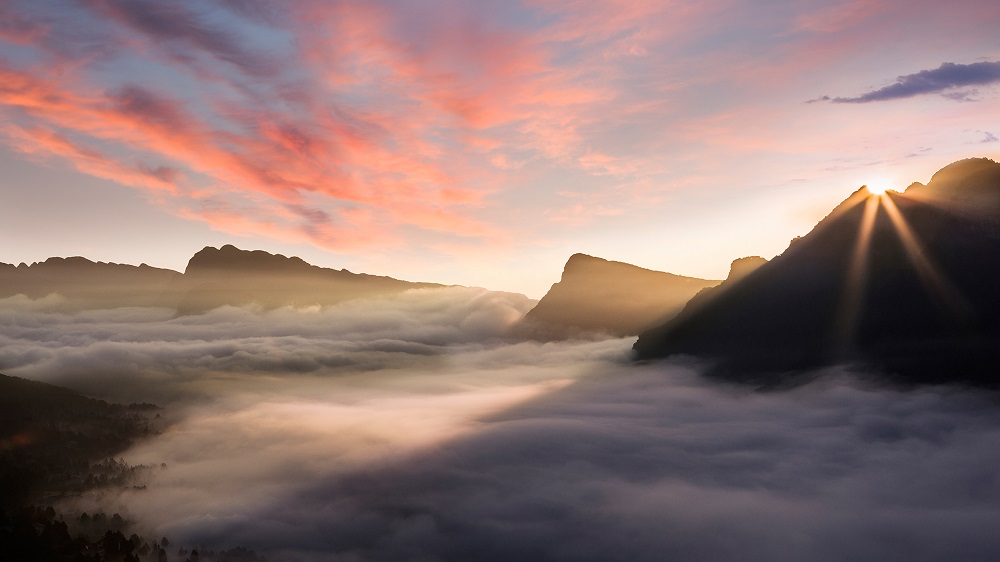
(608, 296)
(229, 276)
(214, 277)
(918, 297)
(87, 284)
(51, 437)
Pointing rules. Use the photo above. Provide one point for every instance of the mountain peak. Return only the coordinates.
(579, 262)
(970, 186)
(741, 267)
(231, 258)
(964, 169)
(595, 294)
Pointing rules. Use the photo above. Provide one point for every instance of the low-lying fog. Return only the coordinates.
(409, 428)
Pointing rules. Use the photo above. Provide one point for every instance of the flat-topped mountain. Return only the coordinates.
(908, 283)
(214, 277)
(595, 294)
(229, 276)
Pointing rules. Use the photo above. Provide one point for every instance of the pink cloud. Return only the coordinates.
(272, 156)
(441, 98)
(830, 19)
(90, 161)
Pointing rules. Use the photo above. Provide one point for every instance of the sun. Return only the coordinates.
(876, 187)
(878, 183)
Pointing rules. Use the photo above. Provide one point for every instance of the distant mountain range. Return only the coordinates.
(214, 277)
(87, 284)
(597, 295)
(230, 276)
(908, 283)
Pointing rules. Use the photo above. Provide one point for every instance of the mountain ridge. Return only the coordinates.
(230, 276)
(213, 277)
(916, 297)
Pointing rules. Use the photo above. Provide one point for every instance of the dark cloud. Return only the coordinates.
(17, 28)
(256, 10)
(962, 95)
(988, 137)
(313, 218)
(166, 174)
(172, 21)
(945, 77)
(149, 107)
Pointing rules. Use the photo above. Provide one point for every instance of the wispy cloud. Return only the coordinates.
(410, 117)
(246, 123)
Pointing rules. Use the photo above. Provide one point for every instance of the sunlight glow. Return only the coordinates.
(876, 188)
(878, 183)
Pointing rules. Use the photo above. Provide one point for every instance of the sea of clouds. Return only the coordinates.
(414, 428)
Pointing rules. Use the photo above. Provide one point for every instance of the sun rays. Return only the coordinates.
(935, 283)
(931, 276)
(856, 276)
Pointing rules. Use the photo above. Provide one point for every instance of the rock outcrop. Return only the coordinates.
(597, 295)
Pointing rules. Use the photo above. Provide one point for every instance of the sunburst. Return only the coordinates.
(931, 276)
(876, 188)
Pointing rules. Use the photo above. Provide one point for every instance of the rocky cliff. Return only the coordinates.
(595, 294)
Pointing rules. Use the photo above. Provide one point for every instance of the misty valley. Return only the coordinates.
(836, 402)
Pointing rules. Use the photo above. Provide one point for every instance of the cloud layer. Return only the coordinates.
(638, 464)
(146, 353)
(409, 428)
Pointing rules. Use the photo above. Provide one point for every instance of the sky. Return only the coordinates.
(478, 143)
